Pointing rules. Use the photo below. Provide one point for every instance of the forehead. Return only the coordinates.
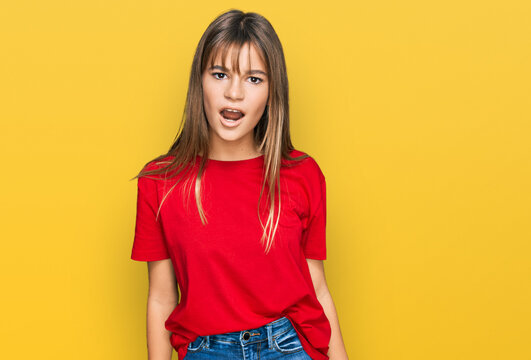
(237, 58)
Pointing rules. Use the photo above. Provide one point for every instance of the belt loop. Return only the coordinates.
(269, 336)
(207, 343)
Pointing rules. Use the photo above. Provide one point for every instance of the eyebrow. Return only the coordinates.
(222, 68)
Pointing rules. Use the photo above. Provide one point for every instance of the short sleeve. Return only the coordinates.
(149, 243)
(314, 235)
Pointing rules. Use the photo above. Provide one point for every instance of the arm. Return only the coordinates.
(336, 349)
(162, 298)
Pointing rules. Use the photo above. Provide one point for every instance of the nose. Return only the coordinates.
(234, 89)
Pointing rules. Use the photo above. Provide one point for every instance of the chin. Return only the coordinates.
(227, 135)
(230, 138)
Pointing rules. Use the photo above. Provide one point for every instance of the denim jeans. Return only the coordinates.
(275, 340)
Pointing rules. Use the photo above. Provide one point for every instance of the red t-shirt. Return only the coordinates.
(227, 281)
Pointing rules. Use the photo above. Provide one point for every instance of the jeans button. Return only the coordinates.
(246, 335)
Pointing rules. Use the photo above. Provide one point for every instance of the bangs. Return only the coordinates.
(223, 48)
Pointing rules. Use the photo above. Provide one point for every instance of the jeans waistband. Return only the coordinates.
(267, 332)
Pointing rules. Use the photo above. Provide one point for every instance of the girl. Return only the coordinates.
(232, 217)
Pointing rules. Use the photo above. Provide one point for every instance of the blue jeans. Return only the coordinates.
(275, 340)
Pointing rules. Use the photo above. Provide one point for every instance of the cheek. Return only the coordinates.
(259, 101)
(209, 107)
(207, 92)
(207, 101)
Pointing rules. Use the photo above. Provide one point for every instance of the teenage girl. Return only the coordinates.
(233, 218)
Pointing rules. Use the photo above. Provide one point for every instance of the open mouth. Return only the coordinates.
(231, 115)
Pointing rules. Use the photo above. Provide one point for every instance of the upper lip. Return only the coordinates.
(232, 108)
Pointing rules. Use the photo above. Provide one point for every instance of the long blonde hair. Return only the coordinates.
(272, 134)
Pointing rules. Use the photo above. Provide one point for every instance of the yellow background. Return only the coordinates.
(418, 112)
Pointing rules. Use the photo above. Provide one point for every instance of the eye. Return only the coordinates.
(218, 73)
(256, 78)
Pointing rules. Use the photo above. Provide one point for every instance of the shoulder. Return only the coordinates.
(307, 165)
(155, 169)
(158, 163)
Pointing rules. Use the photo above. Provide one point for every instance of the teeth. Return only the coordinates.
(232, 110)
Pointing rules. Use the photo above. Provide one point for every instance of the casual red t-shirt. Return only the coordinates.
(227, 281)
